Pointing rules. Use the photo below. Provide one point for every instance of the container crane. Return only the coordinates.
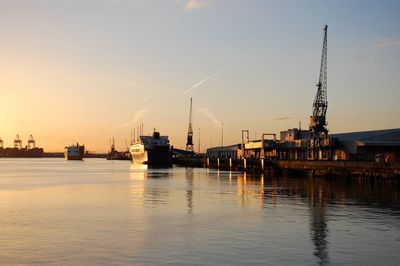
(31, 143)
(17, 143)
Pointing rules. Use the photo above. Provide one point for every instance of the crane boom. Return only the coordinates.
(321, 102)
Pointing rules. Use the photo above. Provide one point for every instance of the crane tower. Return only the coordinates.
(318, 130)
(189, 142)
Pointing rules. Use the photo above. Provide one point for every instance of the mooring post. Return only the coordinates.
(208, 162)
(244, 163)
(218, 162)
(262, 164)
(230, 163)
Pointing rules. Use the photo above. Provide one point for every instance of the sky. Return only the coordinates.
(89, 70)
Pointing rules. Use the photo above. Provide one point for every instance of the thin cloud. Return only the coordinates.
(386, 43)
(283, 118)
(195, 4)
(137, 115)
(210, 116)
(202, 81)
(147, 98)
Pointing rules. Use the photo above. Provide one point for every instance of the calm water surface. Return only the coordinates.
(112, 213)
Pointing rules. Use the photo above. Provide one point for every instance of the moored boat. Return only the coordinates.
(151, 150)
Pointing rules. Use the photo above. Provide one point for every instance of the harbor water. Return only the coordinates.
(99, 212)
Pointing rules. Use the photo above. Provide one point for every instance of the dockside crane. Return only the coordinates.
(318, 130)
(112, 145)
(17, 143)
(189, 142)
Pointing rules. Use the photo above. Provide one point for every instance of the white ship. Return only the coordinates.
(151, 150)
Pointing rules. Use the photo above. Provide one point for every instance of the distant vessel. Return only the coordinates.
(29, 151)
(151, 150)
(74, 152)
(118, 155)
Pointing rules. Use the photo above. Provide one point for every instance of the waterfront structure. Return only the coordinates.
(293, 134)
(370, 145)
(294, 145)
(225, 152)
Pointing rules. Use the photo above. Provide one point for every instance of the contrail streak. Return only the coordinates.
(138, 114)
(210, 116)
(202, 81)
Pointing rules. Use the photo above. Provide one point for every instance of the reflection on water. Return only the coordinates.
(318, 224)
(250, 189)
(145, 188)
(104, 212)
(189, 190)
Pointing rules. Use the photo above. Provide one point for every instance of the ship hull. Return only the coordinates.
(159, 156)
(21, 153)
(151, 150)
(73, 158)
(154, 156)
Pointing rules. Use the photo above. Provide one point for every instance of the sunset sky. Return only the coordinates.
(85, 71)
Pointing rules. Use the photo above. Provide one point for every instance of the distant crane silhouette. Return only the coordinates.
(318, 130)
(17, 142)
(189, 142)
(31, 143)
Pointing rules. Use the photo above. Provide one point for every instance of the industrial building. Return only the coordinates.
(375, 145)
(225, 152)
(370, 145)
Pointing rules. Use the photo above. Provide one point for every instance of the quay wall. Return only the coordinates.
(314, 167)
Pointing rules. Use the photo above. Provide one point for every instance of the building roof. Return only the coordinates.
(385, 137)
(224, 148)
(365, 135)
